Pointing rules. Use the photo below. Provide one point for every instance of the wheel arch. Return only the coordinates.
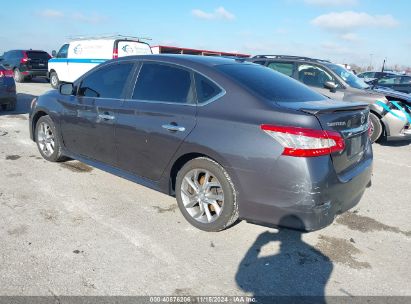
(179, 163)
(385, 127)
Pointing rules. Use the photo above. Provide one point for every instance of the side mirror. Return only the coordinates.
(53, 53)
(66, 89)
(331, 85)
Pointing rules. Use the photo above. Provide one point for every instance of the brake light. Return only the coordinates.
(115, 53)
(6, 73)
(25, 58)
(301, 142)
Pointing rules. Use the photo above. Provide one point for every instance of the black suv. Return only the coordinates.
(26, 64)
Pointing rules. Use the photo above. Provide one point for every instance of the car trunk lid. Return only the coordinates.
(349, 119)
(37, 60)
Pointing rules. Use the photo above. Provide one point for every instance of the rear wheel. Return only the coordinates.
(376, 128)
(54, 80)
(18, 77)
(206, 195)
(47, 140)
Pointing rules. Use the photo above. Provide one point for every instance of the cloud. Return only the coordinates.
(51, 13)
(219, 13)
(332, 2)
(348, 20)
(92, 19)
(351, 37)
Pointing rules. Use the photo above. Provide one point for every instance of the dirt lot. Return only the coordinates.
(69, 229)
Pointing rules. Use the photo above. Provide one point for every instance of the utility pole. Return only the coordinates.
(371, 61)
(383, 64)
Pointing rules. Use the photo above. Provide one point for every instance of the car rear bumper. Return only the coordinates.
(35, 73)
(308, 196)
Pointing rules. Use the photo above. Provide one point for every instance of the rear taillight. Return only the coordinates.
(6, 73)
(25, 58)
(115, 54)
(301, 142)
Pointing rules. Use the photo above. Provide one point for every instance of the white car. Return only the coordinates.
(79, 56)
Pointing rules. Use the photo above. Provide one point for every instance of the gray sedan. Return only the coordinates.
(231, 140)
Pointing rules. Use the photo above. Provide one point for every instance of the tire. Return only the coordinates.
(18, 77)
(193, 203)
(376, 127)
(54, 80)
(47, 139)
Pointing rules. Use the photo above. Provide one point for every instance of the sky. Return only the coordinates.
(343, 31)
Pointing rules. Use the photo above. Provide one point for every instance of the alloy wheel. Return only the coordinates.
(45, 139)
(202, 195)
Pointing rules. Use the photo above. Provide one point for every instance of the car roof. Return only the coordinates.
(188, 59)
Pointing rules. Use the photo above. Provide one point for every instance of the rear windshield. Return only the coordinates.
(269, 84)
(38, 55)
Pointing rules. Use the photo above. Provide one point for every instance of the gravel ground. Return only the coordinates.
(69, 229)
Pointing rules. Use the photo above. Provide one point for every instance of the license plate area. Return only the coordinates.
(356, 145)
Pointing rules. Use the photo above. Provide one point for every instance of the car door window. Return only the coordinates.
(63, 51)
(286, 68)
(107, 82)
(206, 89)
(164, 83)
(389, 80)
(312, 75)
(405, 80)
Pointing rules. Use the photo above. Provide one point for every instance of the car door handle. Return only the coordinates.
(174, 128)
(106, 116)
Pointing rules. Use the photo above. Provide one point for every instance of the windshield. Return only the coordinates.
(269, 84)
(348, 77)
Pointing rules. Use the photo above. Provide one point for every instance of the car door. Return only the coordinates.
(315, 77)
(60, 63)
(88, 118)
(153, 122)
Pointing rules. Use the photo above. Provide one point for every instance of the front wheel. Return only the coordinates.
(54, 80)
(376, 128)
(47, 140)
(206, 195)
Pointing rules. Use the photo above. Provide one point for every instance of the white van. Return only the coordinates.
(79, 56)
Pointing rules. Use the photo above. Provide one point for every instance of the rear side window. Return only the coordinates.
(206, 89)
(107, 82)
(38, 55)
(282, 67)
(164, 83)
(269, 84)
(406, 80)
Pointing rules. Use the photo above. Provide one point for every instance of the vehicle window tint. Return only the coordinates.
(38, 55)
(107, 82)
(406, 80)
(63, 51)
(260, 62)
(269, 84)
(389, 80)
(313, 75)
(206, 89)
(160, 82)
(282, 67)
